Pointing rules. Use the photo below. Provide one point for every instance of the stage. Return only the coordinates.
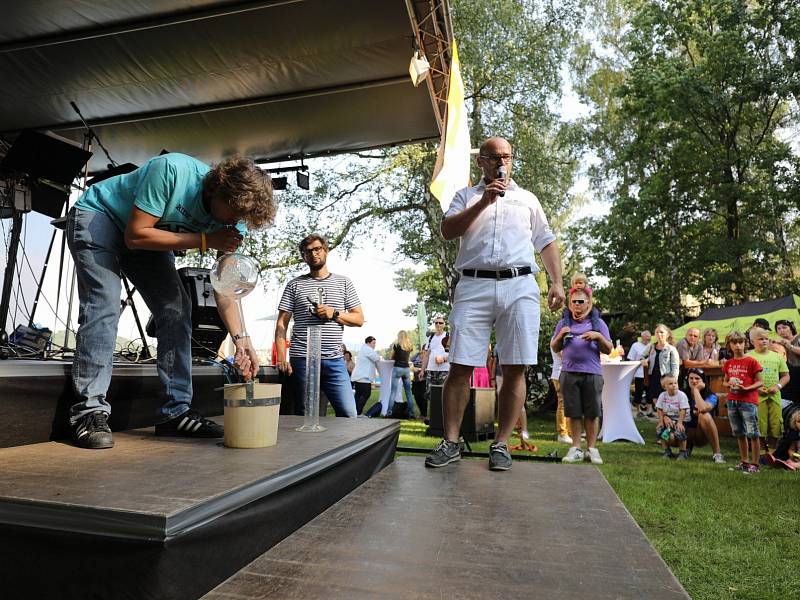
(35, 396)
(536, 531)
(169, 517)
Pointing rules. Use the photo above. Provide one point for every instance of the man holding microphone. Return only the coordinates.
(501, 226)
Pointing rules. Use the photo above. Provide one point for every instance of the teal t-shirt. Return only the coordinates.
(169, 187)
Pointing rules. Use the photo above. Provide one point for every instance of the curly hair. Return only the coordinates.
(244, 187)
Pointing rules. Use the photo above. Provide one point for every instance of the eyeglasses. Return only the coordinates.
(498, 157)
(314, 250)
(578, 301)
(439, 323)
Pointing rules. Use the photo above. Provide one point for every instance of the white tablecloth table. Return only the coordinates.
(618, 423)
(385, 371)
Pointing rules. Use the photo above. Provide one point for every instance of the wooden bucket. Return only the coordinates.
(252, 423)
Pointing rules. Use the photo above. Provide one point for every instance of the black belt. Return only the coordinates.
(501, 274)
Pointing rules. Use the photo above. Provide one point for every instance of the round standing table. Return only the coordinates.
(618, 423)
(385, 371)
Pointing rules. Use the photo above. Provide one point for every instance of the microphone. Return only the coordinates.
(501, 174)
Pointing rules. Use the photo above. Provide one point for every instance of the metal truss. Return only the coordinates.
(430, 20)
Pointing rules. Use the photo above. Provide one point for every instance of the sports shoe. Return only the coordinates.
(594, 456)
(190, 424)
(573, 455)
(92, 431)
(752, 469)
(683, 455)
(499, 457)
(667, 454)
(565, 439)
(445, 453)
(718, 458)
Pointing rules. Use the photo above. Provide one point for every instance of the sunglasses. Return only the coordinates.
(439, 323)
(578, 301)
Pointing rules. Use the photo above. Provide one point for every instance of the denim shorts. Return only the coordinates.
(744, 418)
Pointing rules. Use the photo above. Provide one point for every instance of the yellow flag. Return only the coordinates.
(452, 162)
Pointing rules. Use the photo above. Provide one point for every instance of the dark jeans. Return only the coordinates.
(363, 392)
(418, 388)
(639, 395)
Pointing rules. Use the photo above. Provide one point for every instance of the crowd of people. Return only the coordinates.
(760, 403)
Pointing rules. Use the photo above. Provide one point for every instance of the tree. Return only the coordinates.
(512, 53)
(691, 98)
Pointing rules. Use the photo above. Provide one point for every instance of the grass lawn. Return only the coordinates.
(725, 534)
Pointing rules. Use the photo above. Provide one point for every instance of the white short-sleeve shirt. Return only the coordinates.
(505, 234)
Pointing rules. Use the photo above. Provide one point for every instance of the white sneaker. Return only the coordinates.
(718, 458)
(573, 455)
(565, 439)
(594, 456)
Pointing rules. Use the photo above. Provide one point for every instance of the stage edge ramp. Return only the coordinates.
(538, 531)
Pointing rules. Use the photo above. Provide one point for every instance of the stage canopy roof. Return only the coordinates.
(268, 79)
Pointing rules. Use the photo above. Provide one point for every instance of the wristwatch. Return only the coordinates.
(335, 315)
(239, 336)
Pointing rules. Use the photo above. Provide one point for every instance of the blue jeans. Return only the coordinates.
(401, 374)
(334, 381)
(101, 256)
(744, 418)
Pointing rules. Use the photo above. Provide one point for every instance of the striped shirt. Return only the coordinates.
(337, 291)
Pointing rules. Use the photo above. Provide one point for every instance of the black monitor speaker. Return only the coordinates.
(50, 163)
(208, 330)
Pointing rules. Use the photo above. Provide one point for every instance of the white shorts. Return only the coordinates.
(511, 305)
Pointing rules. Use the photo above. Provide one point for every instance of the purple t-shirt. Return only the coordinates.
(579, 355)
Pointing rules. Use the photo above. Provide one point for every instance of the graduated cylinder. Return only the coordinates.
(252, 422)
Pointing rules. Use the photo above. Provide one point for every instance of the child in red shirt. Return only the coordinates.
(743, 379)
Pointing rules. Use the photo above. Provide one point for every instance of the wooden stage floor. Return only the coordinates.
(537, 531)
(158, 488)
(168, 518)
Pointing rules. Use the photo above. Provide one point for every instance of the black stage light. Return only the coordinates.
(302, 180)
(279, 183)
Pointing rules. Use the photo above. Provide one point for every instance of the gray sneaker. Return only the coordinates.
(499, 457)
(444, 454)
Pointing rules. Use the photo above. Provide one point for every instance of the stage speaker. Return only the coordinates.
(208, 330)
(478, 422)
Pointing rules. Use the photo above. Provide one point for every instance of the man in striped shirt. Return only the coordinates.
(318, 298)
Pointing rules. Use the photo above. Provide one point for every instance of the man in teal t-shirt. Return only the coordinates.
(131, 224)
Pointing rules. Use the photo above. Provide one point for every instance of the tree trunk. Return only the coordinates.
(738, 288)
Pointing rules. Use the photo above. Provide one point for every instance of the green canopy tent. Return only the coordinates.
(740, 317)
